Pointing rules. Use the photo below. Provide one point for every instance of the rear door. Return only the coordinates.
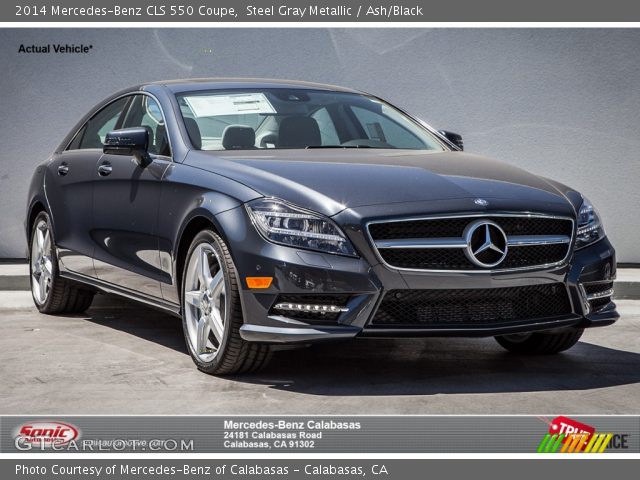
(69, 188)
(126, 201)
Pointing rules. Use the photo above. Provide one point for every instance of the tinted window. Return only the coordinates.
(382, 128)
(102, 123)
(75, 143)
(144, 111)
(328, 132)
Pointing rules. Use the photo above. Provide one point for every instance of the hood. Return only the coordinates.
(330, 180)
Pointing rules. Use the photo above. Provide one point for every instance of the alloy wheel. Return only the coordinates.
(205, 302)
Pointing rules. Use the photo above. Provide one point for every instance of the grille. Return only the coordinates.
(427, 259)
(309, 317)
(471, 308)
(454, 258)
(599, 303)
(454, 227)
(518, 257)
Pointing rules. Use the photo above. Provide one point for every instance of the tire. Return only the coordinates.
(212, 325)
(541, 343)
(51, 293)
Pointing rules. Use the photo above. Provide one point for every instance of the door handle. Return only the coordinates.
(63, 169)
(105, 169)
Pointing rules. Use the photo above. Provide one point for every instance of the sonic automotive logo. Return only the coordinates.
(570, 436)
(45, 434)
(50, 435)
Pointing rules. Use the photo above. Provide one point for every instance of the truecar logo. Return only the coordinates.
(570, 436)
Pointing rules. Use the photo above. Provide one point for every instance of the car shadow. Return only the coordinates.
(134, 319)
(387, 367)
(432, 366)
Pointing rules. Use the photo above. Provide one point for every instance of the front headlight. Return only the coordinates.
(590, 228)
(286, 224)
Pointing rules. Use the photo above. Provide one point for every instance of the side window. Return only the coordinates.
(328, 133)
(145, 112)
(75, 143)
(96, 129)
(383, 129)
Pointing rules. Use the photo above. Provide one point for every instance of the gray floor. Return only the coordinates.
(123, 359)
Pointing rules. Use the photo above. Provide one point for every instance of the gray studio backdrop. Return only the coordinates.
(564, 103)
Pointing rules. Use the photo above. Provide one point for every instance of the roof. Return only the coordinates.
(190, 84)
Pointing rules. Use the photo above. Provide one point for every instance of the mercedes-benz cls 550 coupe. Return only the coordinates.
(267, 212)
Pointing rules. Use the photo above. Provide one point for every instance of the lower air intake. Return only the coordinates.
(599, 294)
(471, 308)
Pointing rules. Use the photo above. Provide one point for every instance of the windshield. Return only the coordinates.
(295, 118)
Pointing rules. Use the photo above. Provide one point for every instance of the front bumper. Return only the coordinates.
(364, 282)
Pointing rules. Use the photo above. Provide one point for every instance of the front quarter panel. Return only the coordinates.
(189, 193)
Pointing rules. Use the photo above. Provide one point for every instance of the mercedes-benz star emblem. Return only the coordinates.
(481, 201)
(486, 243)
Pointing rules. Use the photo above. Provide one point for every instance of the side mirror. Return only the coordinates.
(454, 138)
(132, 142)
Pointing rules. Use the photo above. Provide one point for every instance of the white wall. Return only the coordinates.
(561, 103)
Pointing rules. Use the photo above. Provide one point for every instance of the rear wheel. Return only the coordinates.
(52, 293)
(212, 313)
(541, 343)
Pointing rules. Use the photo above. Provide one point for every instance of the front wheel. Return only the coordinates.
(541, 343)
(212, 313)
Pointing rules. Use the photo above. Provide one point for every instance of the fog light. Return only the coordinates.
(603, 294)
(310, 308)
(259, 282)
(596, 295)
